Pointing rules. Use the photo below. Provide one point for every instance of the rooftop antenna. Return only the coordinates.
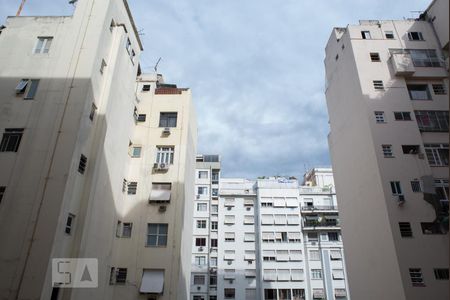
(20, 7)
(156, 65)
(73, 2)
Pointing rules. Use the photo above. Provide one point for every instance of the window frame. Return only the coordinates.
(161, 236)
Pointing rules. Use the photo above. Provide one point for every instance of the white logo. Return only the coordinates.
(75, 272)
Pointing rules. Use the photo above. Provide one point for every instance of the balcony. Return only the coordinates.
(324, 224)
(317, 208)
(402, 63)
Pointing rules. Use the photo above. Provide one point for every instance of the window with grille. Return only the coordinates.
(439, 89)
(396, 188)
(126, 230)
(437, 154)
(121, 275)
(375, 56)
(316, 274)
(157, 235)
(214, 225)
(387, 151)
(82, 164)
(164, 155)
(432, 120)
(441, 273)
(416, 277)
(199, 279)
(415, 186)
(214, 243)
(405, 229)
(130, 187)
(43, 45)
(402, 116)
(168, 119)
(11, 139)
(379, 117)
(378, 85)
(314, 255)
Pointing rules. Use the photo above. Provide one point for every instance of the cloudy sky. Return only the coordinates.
(255, 68)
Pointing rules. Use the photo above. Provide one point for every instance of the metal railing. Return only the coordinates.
(319, 207)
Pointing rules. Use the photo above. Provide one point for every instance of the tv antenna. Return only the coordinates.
(20, 7)
(156, 65)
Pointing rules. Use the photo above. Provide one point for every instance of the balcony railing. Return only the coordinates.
(326, 223)
(319, 207)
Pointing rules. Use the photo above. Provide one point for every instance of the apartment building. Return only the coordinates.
(94, 163)
(205, 228)
(268, 239)
(387, 98)
(324, 257)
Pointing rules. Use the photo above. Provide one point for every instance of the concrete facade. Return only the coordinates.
(75, 184)
(387, 98)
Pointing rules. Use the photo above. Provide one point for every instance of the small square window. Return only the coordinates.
(121, 275)
(439, 89)
(387, 151)
(405, 229)
(441, 273)
(415, 186)
(11, 139)
(415, 36)
(43, 45)
(126, 230)
(168, 119)
(396, 188)
(378, 85)
(402, 116)
(418, 92)
(82, 164)
(146, 87)
(410, 149)
(135, 151)
(375, 56)
(365, 35)
(416, 277)
(389, 35)
(131, 187)
(379, 117)
(200, 242)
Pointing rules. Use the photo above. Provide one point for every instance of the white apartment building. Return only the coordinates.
(324, 258)
(272, 240)
(387, 98)
(94, 164)
(205, 228)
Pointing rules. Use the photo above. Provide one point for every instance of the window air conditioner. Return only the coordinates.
(199, 288)
(200, 249)
(162, 208)
(166, 131)
(400, 200)
(198, 196)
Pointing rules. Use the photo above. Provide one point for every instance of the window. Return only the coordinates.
(199, 279)
(415, 36)
(2, 192)
(418, 91)
(249, 219)
(425, 58)
(249, 237)
(128, 46)
(11, 139)
(135, 151)
(405, 229)
(416, 277)
(338, 274)
(316, 274)
(214, 208)
(389, 34)
(214, 243)
(214, 225)
(229, 219)
(196, 297)
(202, 190)
(92, 113)
(102, 66)
(268, 255)
(415, 186)
(439, 89)
(387, 151)
(437, 154)
(213, 261)
(313, 237)
(441, 188)
(378, 85)
(121, 275)
(375, 56)
(410, 149)
(202, 207)
(402, 116)
(215, 192)
(43, 44)
(146, 87)
(140, 117)
(200, 260)
(129, 187)
(396, 188)
(314, 255)
(229, 293)
(126, 230)
(201, 223)
(379, 116)
(27, 87)
(294, 237)
(333, 236)
(270, 275)
(164, 155)
(432, 120)
(335, 255)
(69, 223)
(157, 235)
(200, 242)
(82, 164)
(270, 294)
(365, 35)
(168, 119)
(229, 236)
(441, 274)
(203, 174)
(431, 228)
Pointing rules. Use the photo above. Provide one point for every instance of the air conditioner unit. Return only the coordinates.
(200, 249)
(198, 196)
(248, 208)
(162, 208)
(229, 262)
(228, 207)
(155, 166)
(166, 131)
(400, 200)
(162, 166)
(199, 288)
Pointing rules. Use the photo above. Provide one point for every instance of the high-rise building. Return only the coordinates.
(272, 240)
(94, 162)
(387, 97)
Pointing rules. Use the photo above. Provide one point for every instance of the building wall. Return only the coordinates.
(369, 212)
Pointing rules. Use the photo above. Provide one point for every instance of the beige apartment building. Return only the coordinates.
(94, 158)
(387, 98)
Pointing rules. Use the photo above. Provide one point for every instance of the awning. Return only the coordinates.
(160, 195)
(248, 202)
(318, 294)
(340, 292)
(152, 281)
(335, 254)
(291, 202)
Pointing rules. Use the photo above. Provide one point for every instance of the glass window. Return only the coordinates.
(43, 44)
(164, 155)
(157, 235)
(11, 139)
(418, 92)
(168, 119)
